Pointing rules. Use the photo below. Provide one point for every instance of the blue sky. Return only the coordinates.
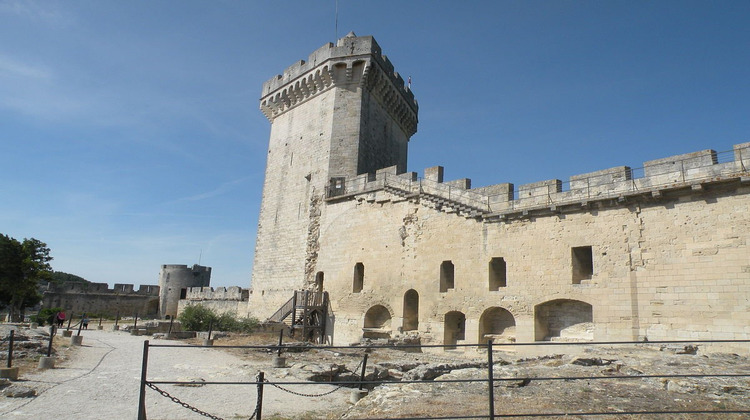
(130, 134)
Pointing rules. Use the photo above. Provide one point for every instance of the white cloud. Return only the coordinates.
(45, 12)
(220, 190)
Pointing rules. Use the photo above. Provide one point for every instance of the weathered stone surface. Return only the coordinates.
(18, 391)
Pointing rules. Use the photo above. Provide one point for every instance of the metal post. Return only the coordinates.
(259, 407)
(171, 321)
(281, 337)
(52, 331)
(10, 349)
(491, 377)
(69, 321)
(362, 376)
(210, 328)
(100, 320)
(117, 317)
(142, 396)
(80, 324)
(135, 323)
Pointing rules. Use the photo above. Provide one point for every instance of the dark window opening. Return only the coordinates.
(446, 276)
(583, 263)
(319, 281)
(183, 293)
(497, 276)
(359, 277)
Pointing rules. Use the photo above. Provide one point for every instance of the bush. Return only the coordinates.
(45, 315)
(200, 318)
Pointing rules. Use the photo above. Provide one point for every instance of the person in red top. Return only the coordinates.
(60, 318)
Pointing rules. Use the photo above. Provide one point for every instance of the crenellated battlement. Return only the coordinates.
(691, 171)
(218, 293)
(352, 60)
(101, 288)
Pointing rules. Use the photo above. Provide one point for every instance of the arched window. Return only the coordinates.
(411, 310)
(359, 277)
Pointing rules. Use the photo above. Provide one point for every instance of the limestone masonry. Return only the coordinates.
(658, 252)
(98, 298)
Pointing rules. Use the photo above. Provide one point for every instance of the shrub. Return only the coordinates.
(200, 318)
(45, 315)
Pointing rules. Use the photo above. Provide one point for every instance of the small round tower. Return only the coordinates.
(174, 279)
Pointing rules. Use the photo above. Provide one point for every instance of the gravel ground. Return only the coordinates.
(100, 380)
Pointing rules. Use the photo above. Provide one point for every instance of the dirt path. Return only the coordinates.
(101, 380)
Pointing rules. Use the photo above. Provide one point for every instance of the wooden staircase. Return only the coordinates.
(304, 313)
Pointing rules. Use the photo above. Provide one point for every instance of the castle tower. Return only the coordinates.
(174, 279)
(341, 113)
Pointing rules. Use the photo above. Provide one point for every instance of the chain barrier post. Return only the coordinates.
(69, 321)
(259, 405)
(52, 331)
(80, 324)
(491, 377)
(142, 395)
(10, 349)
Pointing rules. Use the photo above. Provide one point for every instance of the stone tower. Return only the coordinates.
(342, 113)
(174, 279)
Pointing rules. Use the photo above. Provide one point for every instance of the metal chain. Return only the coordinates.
(186, 405)
(312, 395)
(302, 394)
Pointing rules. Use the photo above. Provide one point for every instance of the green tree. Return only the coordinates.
(22, 265)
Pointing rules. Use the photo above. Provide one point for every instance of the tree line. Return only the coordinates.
(23, 264)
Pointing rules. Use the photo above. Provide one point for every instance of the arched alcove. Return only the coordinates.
(497, 324)
(564, 319)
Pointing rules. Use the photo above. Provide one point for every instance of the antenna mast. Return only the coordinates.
(336, 22)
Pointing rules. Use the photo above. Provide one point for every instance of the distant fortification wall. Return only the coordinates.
(221, 299)
(98, 298)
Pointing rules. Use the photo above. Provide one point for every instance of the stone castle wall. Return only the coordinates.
(669, 260)
(98, 298)
(221, 299)
(658, 252)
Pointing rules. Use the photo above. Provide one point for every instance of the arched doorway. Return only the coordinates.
(454, 328)
(497, 324)
(564, 319)
(377, 322)
(411, 310)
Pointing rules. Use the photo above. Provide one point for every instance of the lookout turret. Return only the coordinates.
(341, 113)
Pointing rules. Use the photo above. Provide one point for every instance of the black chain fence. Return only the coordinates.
(490, 380)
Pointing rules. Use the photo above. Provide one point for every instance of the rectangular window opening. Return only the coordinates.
(497, 274)
(446, 276)
(583, 263)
